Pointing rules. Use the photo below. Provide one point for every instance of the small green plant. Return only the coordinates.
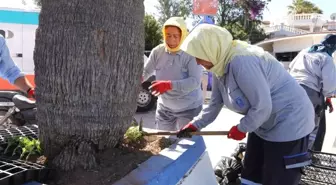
(24, 146)
(12, 143)
(133, 133)
(30, 147)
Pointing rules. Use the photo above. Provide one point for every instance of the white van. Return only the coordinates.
(18, 27)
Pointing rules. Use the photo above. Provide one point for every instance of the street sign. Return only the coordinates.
(205, 7)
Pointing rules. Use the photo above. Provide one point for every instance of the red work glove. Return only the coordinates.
(185, 132)
(31, 93)
(160, 87)
(329, 104)
(235, 134)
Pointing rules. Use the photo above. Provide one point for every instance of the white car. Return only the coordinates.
(146, 101)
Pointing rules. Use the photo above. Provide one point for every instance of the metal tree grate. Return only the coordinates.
(18, 172)
(315, 175)
(29, 130)
(324, 159)
(322, 171)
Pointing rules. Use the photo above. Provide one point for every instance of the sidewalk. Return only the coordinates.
(218, 146)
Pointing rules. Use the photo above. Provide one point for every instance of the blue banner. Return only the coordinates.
(206, 20)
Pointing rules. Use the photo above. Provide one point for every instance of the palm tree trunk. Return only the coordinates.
(88, 63)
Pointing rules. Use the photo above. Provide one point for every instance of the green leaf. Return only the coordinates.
(24, 151)
(12, 142)
(15, 150)
(133, 133)
(153, 35)
(24, 145)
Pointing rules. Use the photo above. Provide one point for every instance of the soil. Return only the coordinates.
(42, 160)
(115, 163)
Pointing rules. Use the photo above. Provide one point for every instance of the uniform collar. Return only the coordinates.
(178, 53)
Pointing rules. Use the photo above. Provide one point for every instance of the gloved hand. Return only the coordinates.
(160, 87)
(185, 131)
(235, 134)
(31, 93)
(329, 105)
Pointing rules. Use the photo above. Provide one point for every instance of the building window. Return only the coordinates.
(3, 33)
(286, 56)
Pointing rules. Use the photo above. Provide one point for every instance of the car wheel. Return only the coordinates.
(146, 101)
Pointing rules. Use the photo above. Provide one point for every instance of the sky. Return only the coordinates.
(16, 3)
(276, 9)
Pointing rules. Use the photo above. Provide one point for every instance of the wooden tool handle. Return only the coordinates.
(210, 133)
(200, 133)
(160, 133)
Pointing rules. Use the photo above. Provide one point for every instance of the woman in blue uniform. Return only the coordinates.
(178, 79)
(278, 114)
(314, 69)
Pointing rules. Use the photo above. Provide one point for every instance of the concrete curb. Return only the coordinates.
(173, 166)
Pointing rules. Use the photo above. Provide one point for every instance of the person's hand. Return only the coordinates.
(329, 105)
(31, 93)
(185, 132)
(235, 134)
(160, 87)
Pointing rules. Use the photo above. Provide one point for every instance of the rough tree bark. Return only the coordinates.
(88, 63)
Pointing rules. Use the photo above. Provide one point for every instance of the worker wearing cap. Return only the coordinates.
(315, 71)
(278, 114)
(178, 79)
(10, 71)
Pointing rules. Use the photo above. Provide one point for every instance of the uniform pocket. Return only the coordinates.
(184, 72)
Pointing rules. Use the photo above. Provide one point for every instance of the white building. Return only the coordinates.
(290, 35)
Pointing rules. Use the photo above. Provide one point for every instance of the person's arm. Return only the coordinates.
(210, 113)
(329, 77)
(10, 71)
(193, 81)
(254, 86)
(23, 83)
(151, 63)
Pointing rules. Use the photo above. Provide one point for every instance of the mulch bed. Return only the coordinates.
(116, 163)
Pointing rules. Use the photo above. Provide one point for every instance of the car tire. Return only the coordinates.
(146, 101)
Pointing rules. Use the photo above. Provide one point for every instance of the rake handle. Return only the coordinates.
(200, 133)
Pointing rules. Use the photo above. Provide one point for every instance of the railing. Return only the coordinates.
(283, 27)
(299, 17)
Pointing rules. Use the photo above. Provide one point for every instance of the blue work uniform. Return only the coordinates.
(8, 69)
(177, 107)
(316, 73)
(277, 113)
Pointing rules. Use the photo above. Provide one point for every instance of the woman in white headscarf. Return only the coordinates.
(278, 114)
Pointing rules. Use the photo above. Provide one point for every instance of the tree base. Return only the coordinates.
(105, 167)
(80, 154)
